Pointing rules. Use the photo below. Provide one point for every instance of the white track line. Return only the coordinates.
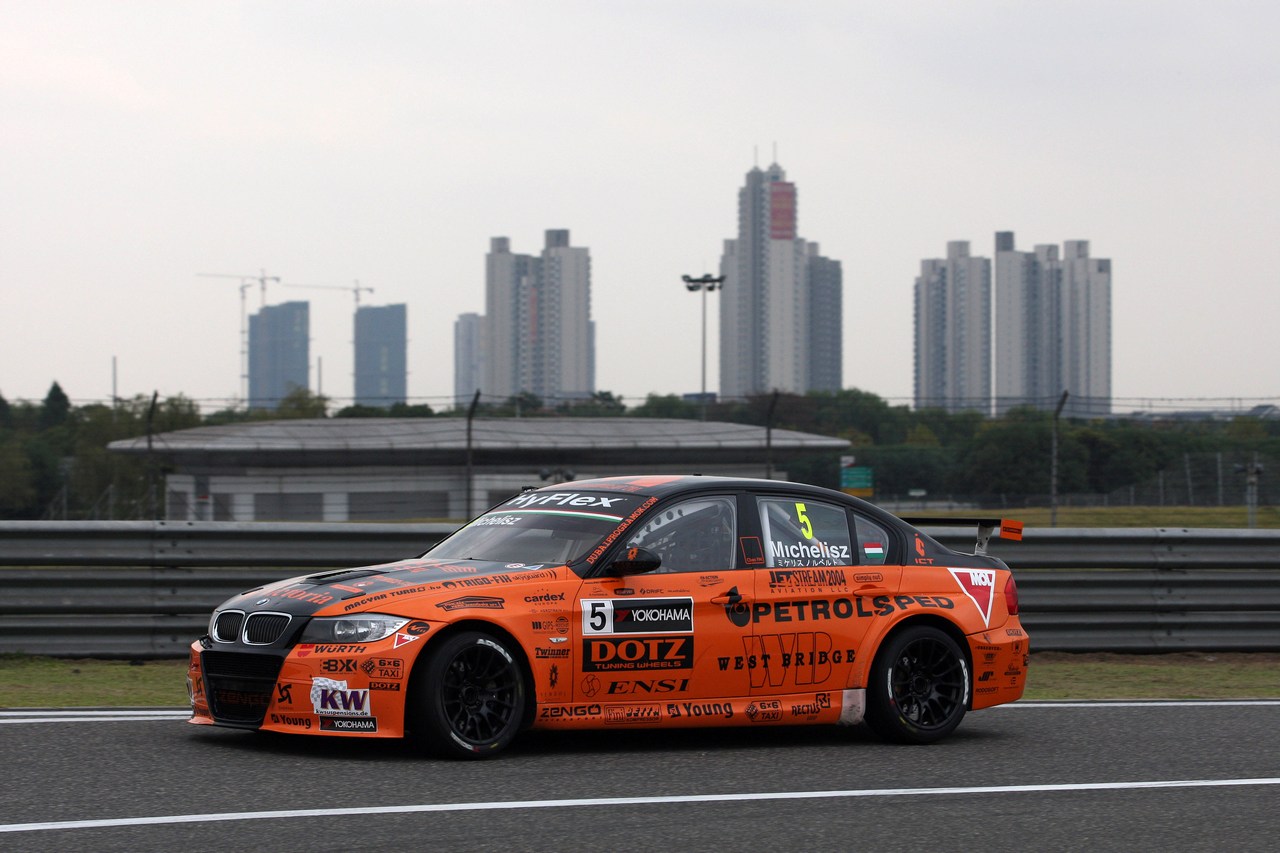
(97, 715)
(614, 802)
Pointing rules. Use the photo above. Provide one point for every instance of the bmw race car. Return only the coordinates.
(629, 602)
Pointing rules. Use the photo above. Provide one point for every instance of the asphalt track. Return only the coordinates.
(1033, 776)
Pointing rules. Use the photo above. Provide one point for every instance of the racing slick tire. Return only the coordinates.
(468, 702)
(919, 687)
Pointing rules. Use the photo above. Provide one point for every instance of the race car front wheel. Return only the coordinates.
(469, 701)
(919, 686)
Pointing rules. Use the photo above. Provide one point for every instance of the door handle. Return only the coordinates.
(729, 598)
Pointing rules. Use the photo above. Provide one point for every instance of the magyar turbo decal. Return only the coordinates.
(980, 586)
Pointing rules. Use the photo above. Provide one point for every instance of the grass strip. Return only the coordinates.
(39, 682)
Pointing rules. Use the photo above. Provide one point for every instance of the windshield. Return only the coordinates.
(544, 528)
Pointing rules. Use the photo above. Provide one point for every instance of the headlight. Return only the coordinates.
(365, 628)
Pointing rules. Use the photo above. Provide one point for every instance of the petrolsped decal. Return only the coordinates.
(823, 609)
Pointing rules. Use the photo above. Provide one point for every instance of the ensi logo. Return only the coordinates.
(979, 585)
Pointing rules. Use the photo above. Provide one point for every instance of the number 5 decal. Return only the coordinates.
(806, 526)
(597, 617)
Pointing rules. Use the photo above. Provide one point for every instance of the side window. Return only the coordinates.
(805, 533)
(696, 535)
(873, 541)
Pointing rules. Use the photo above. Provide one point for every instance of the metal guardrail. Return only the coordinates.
(145, 589)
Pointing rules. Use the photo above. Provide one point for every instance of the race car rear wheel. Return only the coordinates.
(469, 700)
(919, 686)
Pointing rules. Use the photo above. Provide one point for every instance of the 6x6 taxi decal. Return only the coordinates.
(629, 602)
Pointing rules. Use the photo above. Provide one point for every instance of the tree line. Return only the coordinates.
(54, 462)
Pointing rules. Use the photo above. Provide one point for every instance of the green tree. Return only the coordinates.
(56, 407)
(301, 403)
(17, 481)
(666, 406)
(601, 404)
(1011, 457)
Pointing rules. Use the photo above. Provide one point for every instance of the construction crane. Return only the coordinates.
(246, 282)
(355, 289)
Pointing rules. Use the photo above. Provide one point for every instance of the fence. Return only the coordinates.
(146, 589)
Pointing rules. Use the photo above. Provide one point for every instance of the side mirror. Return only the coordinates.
(633, 561)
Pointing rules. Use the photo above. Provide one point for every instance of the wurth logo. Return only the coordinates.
(980, 586)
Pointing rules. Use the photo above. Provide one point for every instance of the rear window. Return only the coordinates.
(805, 533)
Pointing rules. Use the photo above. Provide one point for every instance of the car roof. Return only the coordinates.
(664, 485)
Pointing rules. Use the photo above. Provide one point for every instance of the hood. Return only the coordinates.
(368, 588)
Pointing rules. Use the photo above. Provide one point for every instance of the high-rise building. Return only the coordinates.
(953, 332)
(470, 353)
(279, 353)
(537, 332)
(1053, 327)
(825, 332)
(380, 355)
(775, 284)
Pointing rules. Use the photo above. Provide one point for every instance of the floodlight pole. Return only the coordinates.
(471, 416)
(704, 284)
(1053, 462)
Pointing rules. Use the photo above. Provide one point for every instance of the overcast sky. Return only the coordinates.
(142, 143)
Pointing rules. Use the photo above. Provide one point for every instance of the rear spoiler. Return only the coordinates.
(1003, 528)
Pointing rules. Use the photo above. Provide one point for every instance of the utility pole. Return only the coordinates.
(1053, 463)
(703, 284)
(471, 416)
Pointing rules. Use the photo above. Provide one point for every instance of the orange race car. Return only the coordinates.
(630, 602)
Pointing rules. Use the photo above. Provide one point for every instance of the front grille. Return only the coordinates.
(262, 629)
(239, 685)
(227, 626)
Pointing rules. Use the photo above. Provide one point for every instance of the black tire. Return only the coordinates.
(468, 702)
(919, 687)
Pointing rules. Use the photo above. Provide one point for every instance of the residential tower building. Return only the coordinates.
(953, 332)
(381, 345)
(279, 353)
(1053, 327)
(777, 298)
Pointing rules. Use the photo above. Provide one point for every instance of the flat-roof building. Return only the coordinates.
(349, 469)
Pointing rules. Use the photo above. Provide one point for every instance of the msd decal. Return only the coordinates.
(980, 586)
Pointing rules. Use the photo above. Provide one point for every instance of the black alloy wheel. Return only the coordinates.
(919, 687)
(469, 701)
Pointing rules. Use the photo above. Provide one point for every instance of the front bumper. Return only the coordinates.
(358, 690)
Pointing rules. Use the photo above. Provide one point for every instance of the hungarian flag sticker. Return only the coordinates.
(980, 586)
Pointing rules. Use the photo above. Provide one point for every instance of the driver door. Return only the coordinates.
(671, 634)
